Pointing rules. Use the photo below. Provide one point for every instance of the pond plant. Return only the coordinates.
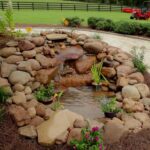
(109, 107)
(57, 105)
(138, 59)
(97, 75)
(91, 140)
(45, 94)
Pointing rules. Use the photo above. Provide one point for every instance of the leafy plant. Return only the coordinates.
(2, 113)
(91, 140)
(3, 95)
(96, 36)
(56, 105)
(3, 28)
(73, 22)
(9, 16)
(138, 59)
(110, 105)
(97, 75)
(45, 93)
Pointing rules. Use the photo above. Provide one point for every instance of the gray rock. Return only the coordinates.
(55, 37)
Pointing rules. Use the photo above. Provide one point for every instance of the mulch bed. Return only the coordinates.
(11, 140)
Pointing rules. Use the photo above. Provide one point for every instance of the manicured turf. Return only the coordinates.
(56, 16)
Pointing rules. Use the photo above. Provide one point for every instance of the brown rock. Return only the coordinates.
(3, 82)
(37, 120)
(121, 57)
(19, 98)
(44, 76)
(38, 41)
(108, 72)
(122, 81)
(40, 110)
(141, 116)
(13, 59)
(75, 134)
(101, 56)
(32, 103)
(29, 54)
(85, 63)
(137, 76)
(25, 45)
(35, 65)
(7, 51)
(80, 124)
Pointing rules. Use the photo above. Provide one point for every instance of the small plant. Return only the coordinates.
(3, 28)
(2, 113)
(97, 75)
(56, 105)
(45, 94)
(97, 36)
(3, 95)
(138, 59)
(91, 140)
(73, 22)
(109, 107)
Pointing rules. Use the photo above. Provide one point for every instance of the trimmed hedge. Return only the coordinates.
(123, 27)
(74, 21)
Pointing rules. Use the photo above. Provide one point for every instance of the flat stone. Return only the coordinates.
(56, 37)
(7, 51)
(13, 59)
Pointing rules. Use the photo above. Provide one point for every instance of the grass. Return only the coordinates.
(56, 16)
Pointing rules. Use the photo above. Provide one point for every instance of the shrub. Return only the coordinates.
(110, 105)
(44, 94)
(138, 59)
(107, 25)
(3, 28)
(3, 95)
(125, 27)
(73, 22)
(92, 21)
(91, 140)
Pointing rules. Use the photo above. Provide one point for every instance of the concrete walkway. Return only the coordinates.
(126, 43)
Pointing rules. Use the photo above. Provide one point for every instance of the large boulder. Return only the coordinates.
(6, 69)
(143, 90)
(13, 59)
(114, 130)
(19, 77)
(7, 51)
(58, 124)
(38, 41)
(130, 91)
(25, 45)
(94, 47)
(85, 63)
(44, 76)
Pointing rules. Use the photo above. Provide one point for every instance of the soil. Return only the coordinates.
(11, 140)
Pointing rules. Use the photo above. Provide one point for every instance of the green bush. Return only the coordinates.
(107, 25)
(125, 27)
(74, 21)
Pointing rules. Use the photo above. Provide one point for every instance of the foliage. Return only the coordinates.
(9, 16)
(45, 93)
(110, 105)
(3, 95)
(73, 22)
(97, 75)
(2, 113)
(107, 25)
(138, 59)
(56, 105)
(3, 28)
(91, 140)
(96, 36)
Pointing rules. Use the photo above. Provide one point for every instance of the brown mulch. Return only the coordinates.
(10, 140)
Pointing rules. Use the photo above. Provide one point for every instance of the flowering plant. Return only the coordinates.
(91, 140)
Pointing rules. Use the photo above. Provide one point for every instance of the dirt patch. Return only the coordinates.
(3, 40)
(138, 141)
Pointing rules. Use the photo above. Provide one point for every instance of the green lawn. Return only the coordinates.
(56, 16)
